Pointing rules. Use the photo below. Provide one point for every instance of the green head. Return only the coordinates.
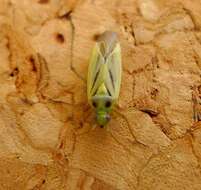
(102, 118)
(103, 105)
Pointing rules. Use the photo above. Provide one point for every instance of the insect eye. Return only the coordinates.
(107, 104)
(94, 104)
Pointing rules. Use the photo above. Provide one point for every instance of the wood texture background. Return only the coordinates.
(46, 141)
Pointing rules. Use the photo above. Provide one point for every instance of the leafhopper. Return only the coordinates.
(104, 76)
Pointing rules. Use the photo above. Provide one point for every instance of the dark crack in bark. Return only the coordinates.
(72, 50)
(130, 129)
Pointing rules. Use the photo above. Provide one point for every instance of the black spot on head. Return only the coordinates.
(107, 104)
(60, 38)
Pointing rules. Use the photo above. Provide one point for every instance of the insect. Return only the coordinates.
(104, 76)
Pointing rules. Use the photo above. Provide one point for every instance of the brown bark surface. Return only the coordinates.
(153, 141)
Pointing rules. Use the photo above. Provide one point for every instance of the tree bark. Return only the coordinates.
(153, 141)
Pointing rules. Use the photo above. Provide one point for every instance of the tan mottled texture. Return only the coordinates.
(153, 141)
